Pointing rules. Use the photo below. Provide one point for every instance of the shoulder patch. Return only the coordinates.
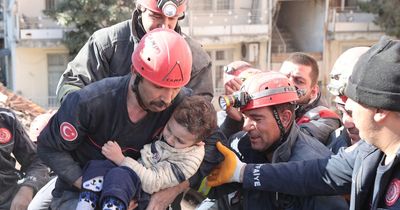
(5, 136)
(393, 192)
(68, 131)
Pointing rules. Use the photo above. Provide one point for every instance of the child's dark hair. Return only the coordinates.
(197, 115)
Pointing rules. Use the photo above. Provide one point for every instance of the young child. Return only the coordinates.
(172, 159)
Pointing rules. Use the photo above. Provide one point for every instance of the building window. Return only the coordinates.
(220, 58)
(223, 4)
(56, 64)
(211, 5)
(50, 4)
(220, 55)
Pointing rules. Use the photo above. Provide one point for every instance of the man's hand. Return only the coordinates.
(113, 152)
(229, 170)
(232, 86)
(132, 205)
(22, 198)
(161, 199)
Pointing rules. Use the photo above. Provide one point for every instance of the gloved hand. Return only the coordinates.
(228, 170)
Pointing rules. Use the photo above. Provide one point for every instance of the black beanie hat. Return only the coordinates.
(375, 81)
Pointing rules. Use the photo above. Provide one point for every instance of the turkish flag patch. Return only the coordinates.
(68, 131)
(5, 136)
(393, 192)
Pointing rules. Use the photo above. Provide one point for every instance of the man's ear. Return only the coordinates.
(380, 115)
(314, 91)
(286, 117)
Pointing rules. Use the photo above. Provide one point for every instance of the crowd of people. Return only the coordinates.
(136, 128)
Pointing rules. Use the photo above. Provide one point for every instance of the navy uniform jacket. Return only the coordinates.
(352, 170)
(338, 139)
(14, 141)
(297, 146)
(90, 117)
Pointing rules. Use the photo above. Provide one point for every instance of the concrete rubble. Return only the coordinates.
(25, 109)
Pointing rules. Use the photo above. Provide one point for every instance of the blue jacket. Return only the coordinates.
(15, 145)
(338, 139)
(351, 170)
(297, 146)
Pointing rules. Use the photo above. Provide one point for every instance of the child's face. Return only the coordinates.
(178, 136)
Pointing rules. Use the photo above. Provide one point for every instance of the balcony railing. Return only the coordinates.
(40, 22)
(351, 19)
(226, 17)
(40, 28)
(226, 23)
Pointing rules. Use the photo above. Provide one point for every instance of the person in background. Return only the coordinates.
(18, 186)
(347, 134)
(313, 115)
(107, 52)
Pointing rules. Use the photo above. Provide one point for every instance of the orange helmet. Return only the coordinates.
(169, 8)
(268, 89)
(164, 58)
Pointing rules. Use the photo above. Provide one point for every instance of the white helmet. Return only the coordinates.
(342, 70)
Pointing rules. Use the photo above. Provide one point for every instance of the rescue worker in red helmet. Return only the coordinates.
(348, 134)
(235, 73)
(107, 52)
(369, 169)
(271, 135)
(129, 110)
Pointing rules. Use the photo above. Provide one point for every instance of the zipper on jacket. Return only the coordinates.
(358, 187)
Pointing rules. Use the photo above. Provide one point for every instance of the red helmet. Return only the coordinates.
(164, 58)
(268, 89)
(169, 8)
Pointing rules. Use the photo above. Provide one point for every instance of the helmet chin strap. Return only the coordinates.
(139, 25)
(282, 139)
(135, 89)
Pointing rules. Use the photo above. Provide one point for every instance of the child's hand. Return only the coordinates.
(113, 152)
